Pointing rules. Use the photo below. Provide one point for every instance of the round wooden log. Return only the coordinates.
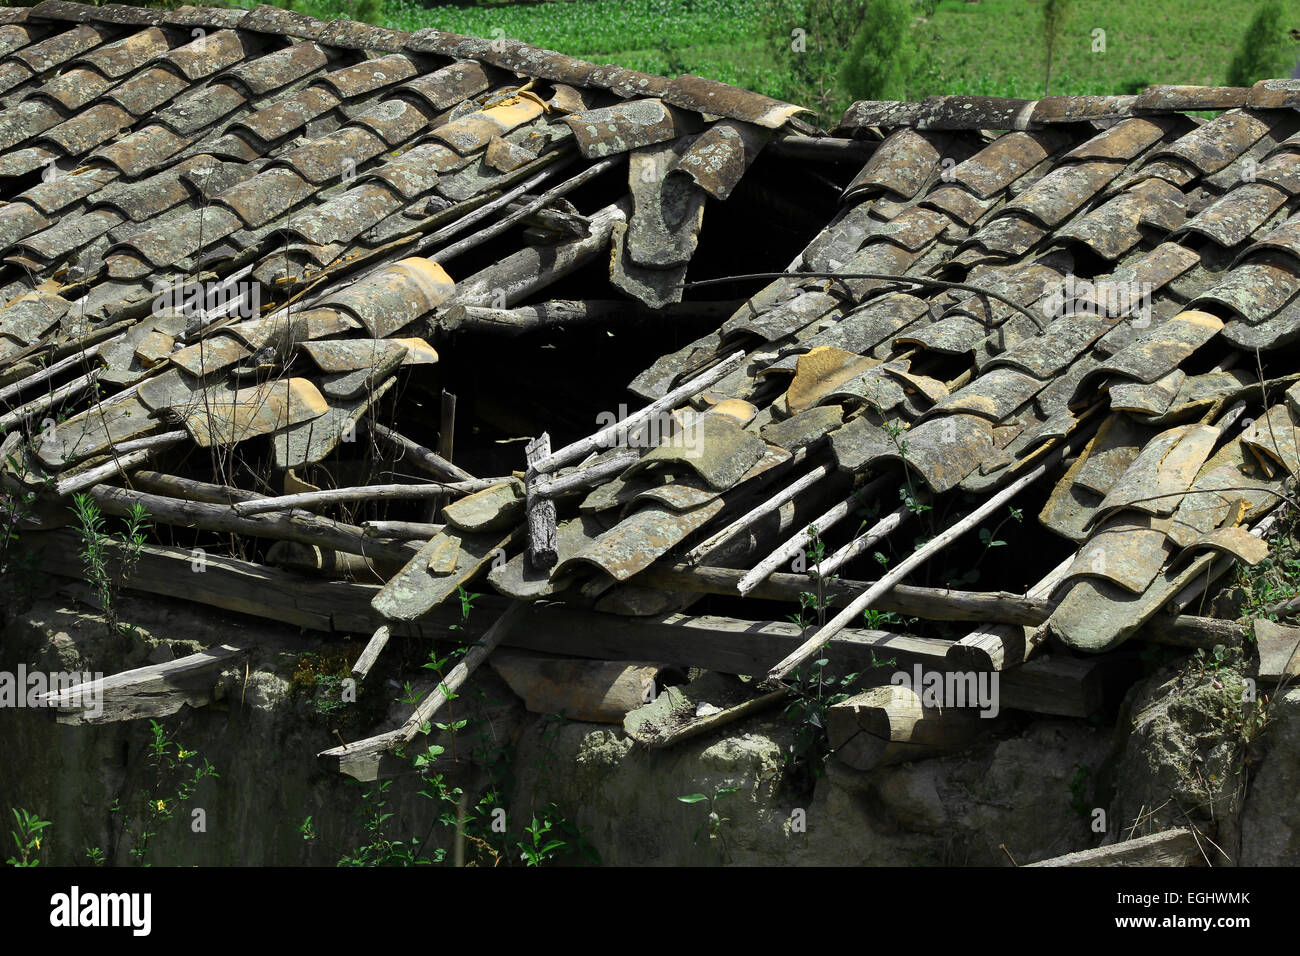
(890, 724)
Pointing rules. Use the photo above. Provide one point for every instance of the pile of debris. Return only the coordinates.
(239, 246)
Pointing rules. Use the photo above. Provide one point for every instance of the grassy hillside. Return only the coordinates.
(991, 47)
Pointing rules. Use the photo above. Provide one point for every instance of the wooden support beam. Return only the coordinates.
(172, 486)
(831, 149)
(401, 530)
(527, 209)
(152, 691)
(1051, 684)
(518, 276)
(587, 477)
(996, 647)
(49, 372)
(877, 532)
(565, 312)
(334, 496)
(765, 507)
(119, 465)
(303, 528)
(1167, 848)
(934, 604)
(51, 400)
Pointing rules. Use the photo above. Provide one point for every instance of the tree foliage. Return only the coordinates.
(883, 53)
(1265, 50)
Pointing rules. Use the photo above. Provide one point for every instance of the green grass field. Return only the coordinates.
(989, 47)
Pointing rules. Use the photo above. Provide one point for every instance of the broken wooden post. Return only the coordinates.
(540, 510)
(996, 647)
(374, 647)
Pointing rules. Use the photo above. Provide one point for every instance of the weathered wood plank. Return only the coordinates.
(374, 647)
(156, 690)
(1167, 848)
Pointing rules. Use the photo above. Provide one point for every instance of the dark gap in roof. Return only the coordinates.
(943, 366)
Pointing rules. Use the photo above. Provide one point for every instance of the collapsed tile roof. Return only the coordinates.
(1108, 278)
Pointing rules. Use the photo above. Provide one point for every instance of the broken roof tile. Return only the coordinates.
(718, 99)
(720, 155)
(623, 127)
(1274, 95)
(395, 296)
